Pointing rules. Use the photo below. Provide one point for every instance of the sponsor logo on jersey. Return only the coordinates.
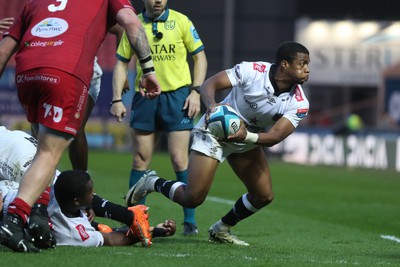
(32, 140)
(271, 100)
(259, 67)
(44, 44)
(252, 105)
(301, 112)
(50, 27)
(46, 78)
(195, 34)
(82, 232)
(297, 94)
(81, 102)
(213, 151)
(169, 24)
(162, 52)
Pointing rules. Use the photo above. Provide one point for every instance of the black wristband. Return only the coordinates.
(115, 101)
(147, 65)
(148, 70)
(195, 88)
(144, 60)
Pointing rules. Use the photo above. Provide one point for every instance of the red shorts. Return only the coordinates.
(53, 98)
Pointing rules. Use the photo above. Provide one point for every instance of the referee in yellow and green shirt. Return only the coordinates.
(171, 36)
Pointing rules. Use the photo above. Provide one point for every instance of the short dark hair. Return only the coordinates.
(288, 51)
(71, 184)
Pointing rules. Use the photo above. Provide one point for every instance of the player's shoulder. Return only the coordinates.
(178, 16)
(3, 131)
(252, 69)
(300, 98)
(175, 14)
(255, 66)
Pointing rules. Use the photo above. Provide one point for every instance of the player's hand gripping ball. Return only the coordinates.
(223, 121)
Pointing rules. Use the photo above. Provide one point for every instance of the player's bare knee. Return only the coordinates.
(139, 163)
(179, 163)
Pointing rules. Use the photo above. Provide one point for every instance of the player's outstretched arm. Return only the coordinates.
(118, 238)
(136, 35)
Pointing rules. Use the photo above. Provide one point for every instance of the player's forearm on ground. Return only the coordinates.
(119, 78)
(135, 32)
(199, 68)
(117, 239)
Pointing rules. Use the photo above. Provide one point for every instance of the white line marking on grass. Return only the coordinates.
(168, 255)
(391, 237)
(122, 253)
(220, 200)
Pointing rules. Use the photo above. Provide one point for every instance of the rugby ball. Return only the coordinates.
(223, 121)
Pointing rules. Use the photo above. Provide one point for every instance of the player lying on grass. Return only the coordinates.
(73, 195)
(71, 198)
(271, 103)
(17, 149)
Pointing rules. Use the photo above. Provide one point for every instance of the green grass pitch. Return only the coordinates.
(321, 216)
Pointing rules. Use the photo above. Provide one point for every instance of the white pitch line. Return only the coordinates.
(391, 237)
(220, 200)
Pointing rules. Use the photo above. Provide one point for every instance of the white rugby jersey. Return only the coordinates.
(17, 150)
(72, 231)
(252, 96)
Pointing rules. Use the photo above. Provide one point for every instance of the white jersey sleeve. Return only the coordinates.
(298, 107)
(75, 231)
(246, 73)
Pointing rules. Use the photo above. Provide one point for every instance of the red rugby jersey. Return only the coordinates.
(63, 34)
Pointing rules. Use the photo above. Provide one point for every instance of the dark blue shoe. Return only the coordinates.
(190, 229)
(39, 228)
